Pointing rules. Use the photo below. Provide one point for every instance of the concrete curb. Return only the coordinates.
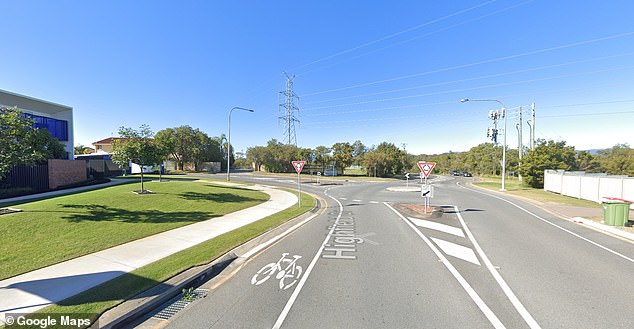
(209, 275)
(609, 230)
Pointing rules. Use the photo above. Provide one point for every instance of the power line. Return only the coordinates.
(475, 78)
(328, 124)
(392, 35)
(498, 59)
(418, 37)
(468, 89)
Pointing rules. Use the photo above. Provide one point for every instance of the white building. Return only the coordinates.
(56, 118)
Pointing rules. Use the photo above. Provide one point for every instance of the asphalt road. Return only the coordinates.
(366, 262)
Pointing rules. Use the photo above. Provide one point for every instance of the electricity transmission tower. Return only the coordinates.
(289, 111)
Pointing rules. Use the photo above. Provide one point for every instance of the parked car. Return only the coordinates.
(466, 174)
(454, 173)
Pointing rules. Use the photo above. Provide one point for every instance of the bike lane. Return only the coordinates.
(374, 273)
(368, 271)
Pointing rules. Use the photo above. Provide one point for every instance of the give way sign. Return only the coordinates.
(298, 165)
(426, 167)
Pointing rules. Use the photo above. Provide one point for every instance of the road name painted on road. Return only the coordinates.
(343, 242)
(344, 239)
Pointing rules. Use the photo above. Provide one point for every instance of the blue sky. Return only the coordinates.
(372, 71)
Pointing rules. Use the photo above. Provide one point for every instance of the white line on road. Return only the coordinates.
(274, 239)
(374, 202)
(528, 318)
(437, 226)
(553, 224)
(457, 250)
(488, 313)
(357, 200)
(298, 288)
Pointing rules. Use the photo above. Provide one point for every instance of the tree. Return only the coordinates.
(546, 155)
(588, 162)
(21, 144)
(342, 154)
(179, 142)
(618, 160)
(15, 131)
(137, 146)
(81, 149)
(50, 147)
(358, 151)
(321, 154)
(385, 160)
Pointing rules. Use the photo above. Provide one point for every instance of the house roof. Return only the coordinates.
(108, 140)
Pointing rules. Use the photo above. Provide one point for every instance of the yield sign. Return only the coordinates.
(426, 167)
(298, 165)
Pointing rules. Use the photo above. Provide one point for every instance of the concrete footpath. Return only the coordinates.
(37, 289)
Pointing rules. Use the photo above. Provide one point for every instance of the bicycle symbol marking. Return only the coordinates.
(291, 272)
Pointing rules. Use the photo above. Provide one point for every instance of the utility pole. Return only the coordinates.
(533, 126)
(287, 111)
(519, 140)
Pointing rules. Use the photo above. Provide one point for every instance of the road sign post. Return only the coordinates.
(299, 165)
(318, 177)
(407, 179)
(426, 190)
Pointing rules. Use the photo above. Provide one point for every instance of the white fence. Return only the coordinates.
(591, 187)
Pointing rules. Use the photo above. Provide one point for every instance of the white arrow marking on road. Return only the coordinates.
(457, 250)
(437, 226)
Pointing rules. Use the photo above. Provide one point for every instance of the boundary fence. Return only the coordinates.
(593, 187)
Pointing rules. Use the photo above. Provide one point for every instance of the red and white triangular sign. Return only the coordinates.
(298, 165)
(426, 167)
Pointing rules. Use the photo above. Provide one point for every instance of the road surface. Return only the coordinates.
(372, 260)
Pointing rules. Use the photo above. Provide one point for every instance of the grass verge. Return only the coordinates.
(109, 294)
(514, 187)
(57, 229)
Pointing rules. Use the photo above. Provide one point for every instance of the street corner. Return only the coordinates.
(419, 211)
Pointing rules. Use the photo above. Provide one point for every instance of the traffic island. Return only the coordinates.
(418, 210)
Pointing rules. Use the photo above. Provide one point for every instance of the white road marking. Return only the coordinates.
(343, 198)
(528, 318)
(553, 224)
(356, 200)
(437, 226)
(488, 313)
(457, 250)
(374, 202)
(274, 239)
(300, 285)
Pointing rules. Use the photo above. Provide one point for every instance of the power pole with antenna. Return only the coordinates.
(288, 110)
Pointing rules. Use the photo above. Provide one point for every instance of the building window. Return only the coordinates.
(58, 128)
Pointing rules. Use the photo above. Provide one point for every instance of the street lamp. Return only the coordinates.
(229, 139)
(464, 100)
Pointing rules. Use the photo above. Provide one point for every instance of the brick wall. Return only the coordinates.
(63, 172)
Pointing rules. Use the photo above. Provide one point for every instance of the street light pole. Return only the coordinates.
(229, 138)
(464, 100)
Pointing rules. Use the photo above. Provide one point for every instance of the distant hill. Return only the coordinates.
(594, 151)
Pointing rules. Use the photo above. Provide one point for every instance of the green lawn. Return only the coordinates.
(513, 186)
(58, 229)
(107, 295)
